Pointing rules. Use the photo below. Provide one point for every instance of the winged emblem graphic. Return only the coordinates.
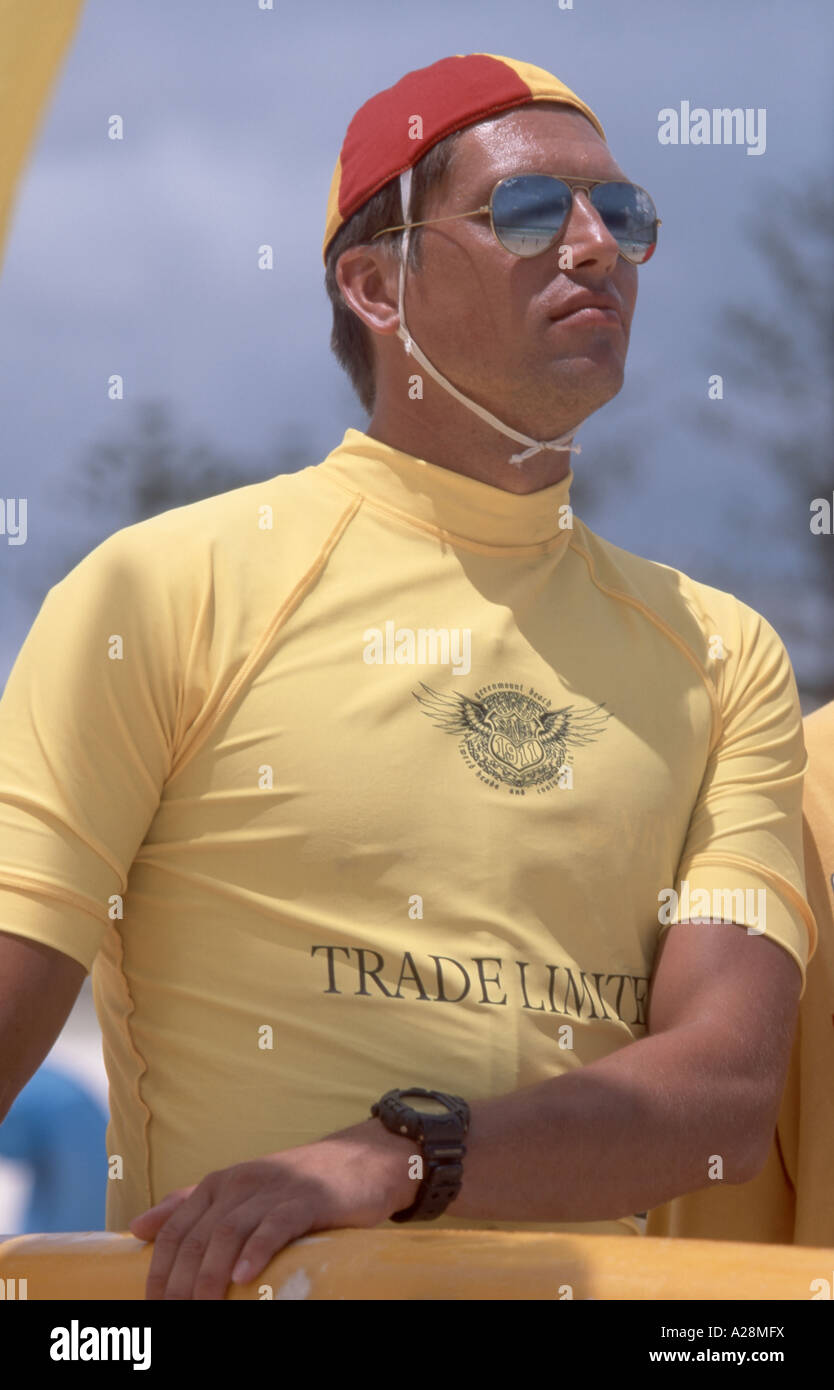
(512, 735)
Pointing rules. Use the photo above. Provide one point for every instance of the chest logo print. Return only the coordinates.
(509, 736)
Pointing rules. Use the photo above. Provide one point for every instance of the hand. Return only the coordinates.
(231, 1224)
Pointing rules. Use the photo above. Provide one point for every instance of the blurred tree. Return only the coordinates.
(127, 478)
(781, 350)
(609, 467)
(154, 470)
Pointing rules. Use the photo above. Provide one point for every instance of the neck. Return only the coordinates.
(466, 445)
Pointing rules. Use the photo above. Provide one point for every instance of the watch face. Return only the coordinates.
(425, 1105)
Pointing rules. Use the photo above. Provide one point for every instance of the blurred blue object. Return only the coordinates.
(57, 1127)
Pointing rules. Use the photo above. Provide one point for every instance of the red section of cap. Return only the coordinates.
(447, 96)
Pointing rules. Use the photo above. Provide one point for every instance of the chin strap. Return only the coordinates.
(564, 441)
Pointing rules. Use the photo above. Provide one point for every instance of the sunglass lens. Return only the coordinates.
(529, 212)
(630, 216)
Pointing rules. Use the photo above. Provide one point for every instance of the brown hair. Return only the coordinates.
(350, 338)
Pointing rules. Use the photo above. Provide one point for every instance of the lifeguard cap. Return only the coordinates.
(446, 96)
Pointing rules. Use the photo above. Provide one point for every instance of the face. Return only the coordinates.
(498, 325)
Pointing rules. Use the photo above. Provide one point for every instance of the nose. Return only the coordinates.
(591, 243)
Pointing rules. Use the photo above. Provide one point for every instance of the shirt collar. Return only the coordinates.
(450, 503)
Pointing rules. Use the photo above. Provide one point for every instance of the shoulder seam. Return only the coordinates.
(286, 609)
(669, 632)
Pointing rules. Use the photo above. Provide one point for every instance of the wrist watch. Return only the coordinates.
(439, 1123)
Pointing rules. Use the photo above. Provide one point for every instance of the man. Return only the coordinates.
(390, 773)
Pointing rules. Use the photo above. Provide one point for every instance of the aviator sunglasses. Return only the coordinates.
(528, 213)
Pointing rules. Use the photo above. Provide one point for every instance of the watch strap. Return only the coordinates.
(441, 1137)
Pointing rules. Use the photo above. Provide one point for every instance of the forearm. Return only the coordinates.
(621, 1135)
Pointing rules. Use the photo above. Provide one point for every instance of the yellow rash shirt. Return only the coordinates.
(374, 775)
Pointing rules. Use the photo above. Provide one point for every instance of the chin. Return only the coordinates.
(574, 388)
(578, 397)
(599, 381)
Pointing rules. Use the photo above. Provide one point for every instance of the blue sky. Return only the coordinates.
(139, 256)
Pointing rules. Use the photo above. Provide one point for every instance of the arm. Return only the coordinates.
(638, 1127)
(85, 746)
(38, 987)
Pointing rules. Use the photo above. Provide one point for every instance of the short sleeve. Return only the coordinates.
(743, 855)
(87, 731)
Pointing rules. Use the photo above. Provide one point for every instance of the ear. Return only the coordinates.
(369, 281)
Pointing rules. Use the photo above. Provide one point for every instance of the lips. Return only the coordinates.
(590, 308)
(590, 316)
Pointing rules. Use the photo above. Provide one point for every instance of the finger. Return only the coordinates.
(203, 1267)
(277, 1228)
(176, 1229)
(146, 1225)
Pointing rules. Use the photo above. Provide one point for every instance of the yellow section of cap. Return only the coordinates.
(545, 87)
(333, 221)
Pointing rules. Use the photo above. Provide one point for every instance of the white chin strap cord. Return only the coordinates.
(564, 442)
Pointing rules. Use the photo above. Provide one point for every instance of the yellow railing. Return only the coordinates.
(424, 1264)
